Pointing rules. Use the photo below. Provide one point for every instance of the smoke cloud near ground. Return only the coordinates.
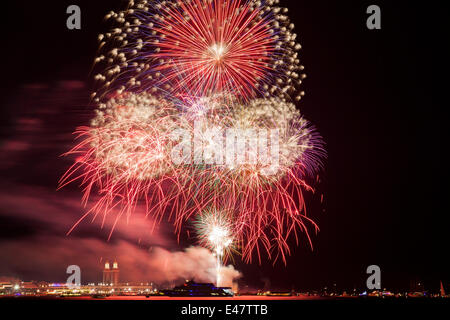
(193, 263)
(47, 258)
(35, 245)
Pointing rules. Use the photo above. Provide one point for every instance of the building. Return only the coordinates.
(111, 275)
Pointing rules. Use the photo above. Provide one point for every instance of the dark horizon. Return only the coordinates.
(373, 96)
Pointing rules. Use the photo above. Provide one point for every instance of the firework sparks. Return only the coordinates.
(125, 155)
(202, 47)
(214, 230)
(191, 66)
(266, 197)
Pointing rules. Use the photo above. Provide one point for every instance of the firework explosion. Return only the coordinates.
(267, 196)
(125, 154)
(201, 47)
(214, 229)
(180, 78)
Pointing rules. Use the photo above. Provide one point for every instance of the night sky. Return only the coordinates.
(372, 94)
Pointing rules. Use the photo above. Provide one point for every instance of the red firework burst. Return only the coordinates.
(201, 47)
(215, 46)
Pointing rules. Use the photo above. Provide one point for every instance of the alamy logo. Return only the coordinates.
(74, 280)
(374, 20)
(74, 20)
(227, 147)
(374, 281)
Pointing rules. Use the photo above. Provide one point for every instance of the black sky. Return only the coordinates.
(372, 94)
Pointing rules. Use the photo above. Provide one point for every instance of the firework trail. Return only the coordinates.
(265, 198)
(214, 229)
(199, 48)
(192, 66)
